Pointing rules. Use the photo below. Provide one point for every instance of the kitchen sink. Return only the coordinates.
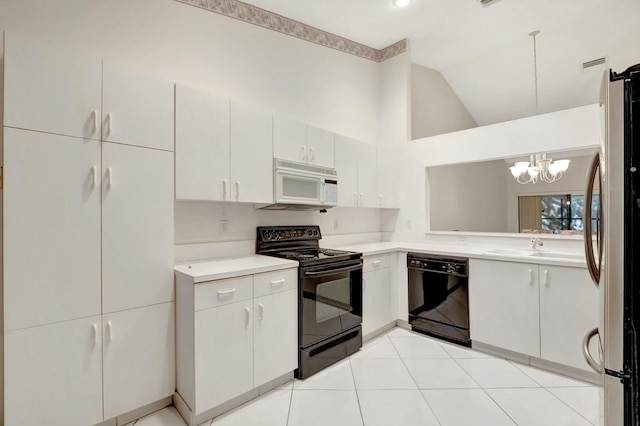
(524, 253)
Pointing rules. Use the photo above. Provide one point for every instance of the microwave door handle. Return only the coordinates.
(333, 271)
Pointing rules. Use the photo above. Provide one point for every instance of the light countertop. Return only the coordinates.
(215, 269)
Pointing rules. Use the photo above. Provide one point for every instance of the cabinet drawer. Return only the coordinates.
(273, 282)
(221, 292)
(373, 263)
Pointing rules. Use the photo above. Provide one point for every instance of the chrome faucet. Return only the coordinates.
(535, 242)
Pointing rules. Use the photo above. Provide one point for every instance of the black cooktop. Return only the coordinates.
(299, 243)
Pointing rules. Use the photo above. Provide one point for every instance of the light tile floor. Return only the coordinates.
(402, 378)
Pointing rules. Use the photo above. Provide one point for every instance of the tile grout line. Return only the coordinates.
(290, 402)
(355, 388)
(570, 407)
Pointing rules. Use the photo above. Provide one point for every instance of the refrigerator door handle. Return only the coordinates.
(593, 267)
(597, 367)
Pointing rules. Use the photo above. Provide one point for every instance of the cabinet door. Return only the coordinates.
(347, 154)
(320, 147)
(367, 176)
(51, 90)
(138, 109)
(568, 309)
(376, 300)
(275, 335)
(137, 227)
(223, 354)
(251, 154)
(289, 139)
(504, 305)
(53, 374)
(51, 228)
(202, 146)
(139, 357)
(390, 172)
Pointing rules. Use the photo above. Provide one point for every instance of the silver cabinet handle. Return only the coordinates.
(95, 121)
(223, 292)
(224, 188)
(109, 177)
(597, 367)
(376, 262)
(109, 331)
(94, 175)
(96, 336)
(312, 156)
(277, 282)
(247, 316)
(260, 311)
(237, 190)
(109, 123)
(303, 153)
(546, 278)
(530, 276)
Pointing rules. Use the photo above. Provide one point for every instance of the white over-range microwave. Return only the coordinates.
(303, 187)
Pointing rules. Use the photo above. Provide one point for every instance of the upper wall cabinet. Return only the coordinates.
(390, 172)
(356, 167)
(224, 150)
(251, 154)
(299, 142)
(138, 109)
(202, 146)
(51, 90)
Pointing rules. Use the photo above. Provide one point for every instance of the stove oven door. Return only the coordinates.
(330, 300)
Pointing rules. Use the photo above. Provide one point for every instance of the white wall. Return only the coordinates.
(395, 98)
(576, 128)
(435, 107)
(319, 85)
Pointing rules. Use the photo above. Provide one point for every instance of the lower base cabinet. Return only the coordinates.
(234, 335)
(542, 311)
(63, 373)
(378, 292)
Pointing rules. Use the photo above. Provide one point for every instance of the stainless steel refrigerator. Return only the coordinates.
(613, 253)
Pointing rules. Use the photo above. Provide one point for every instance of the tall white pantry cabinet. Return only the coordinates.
(87, 247)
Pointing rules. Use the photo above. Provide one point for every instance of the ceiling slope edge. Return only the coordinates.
(263, 18)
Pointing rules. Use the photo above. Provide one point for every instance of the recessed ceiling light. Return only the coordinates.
(401, 3)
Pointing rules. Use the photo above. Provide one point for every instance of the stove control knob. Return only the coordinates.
(266, 235)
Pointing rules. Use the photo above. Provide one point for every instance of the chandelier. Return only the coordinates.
(539, 168)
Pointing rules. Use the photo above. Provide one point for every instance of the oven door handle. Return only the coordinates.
(333, 271)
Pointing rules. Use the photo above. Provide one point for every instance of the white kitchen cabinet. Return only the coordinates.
(251, 153)
(138, 357)
(504, 305)
(275, 322)
(299, 142)
(378, 293)
(390, 172)
(542, 311)
(357, 176)
(137, 227)
(88, 231)
(568, 309)
(53, 374)
(202, 146)
(224, 353)
(51, 228)
(234, 335)
(137, 109)
(50, 89)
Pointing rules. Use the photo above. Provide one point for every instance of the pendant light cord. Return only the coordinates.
(535, 65)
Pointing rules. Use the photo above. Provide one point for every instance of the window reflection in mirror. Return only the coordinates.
(556, 213)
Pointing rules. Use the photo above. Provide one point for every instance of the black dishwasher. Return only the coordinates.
(439, 296)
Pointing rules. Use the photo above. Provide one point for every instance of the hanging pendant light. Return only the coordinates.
(539, 167)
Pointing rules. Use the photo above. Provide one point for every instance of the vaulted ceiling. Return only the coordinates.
(485, 52)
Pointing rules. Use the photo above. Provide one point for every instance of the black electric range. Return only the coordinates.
(329, 294)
